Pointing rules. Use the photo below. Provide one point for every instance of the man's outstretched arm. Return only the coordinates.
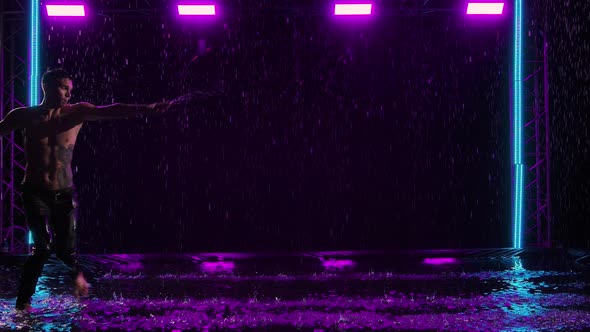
(14, 120)
(91, 112)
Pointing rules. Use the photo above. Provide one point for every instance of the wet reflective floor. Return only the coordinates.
(456, 290)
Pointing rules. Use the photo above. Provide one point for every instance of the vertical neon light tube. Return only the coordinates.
(517, 158)
(34, 54)
(34, 62)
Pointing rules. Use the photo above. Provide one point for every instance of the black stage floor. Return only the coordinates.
(465, 290)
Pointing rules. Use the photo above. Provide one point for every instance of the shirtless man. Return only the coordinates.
(50, 132)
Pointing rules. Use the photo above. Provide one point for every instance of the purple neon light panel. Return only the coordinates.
(337, 264)
(208, 10)
(212, 267)
(353, 9)
(488, 8)
(440, 261)
(65, 10)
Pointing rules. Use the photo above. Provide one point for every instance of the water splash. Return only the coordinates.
(196, 96)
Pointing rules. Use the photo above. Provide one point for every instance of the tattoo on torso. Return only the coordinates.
(64, 157)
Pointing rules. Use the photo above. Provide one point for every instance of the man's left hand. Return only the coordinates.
(158, 108)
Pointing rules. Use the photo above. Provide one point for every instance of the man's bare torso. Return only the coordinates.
(50, 138)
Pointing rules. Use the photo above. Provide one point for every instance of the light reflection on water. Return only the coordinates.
(513, 299)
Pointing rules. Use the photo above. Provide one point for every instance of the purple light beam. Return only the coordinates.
(353, 9)
(488, 8)
(65, 10)
(193, 10)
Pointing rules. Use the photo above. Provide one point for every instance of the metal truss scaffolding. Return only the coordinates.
(13, 80)
(536, 138)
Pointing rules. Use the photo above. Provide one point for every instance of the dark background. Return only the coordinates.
(319, 133)
(569, 22)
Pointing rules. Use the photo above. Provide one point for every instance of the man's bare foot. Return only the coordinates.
(81, 286)
(24, 307)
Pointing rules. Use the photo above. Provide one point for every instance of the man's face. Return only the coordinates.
(60, 92)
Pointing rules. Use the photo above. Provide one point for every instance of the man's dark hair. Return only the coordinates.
(52, 76)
